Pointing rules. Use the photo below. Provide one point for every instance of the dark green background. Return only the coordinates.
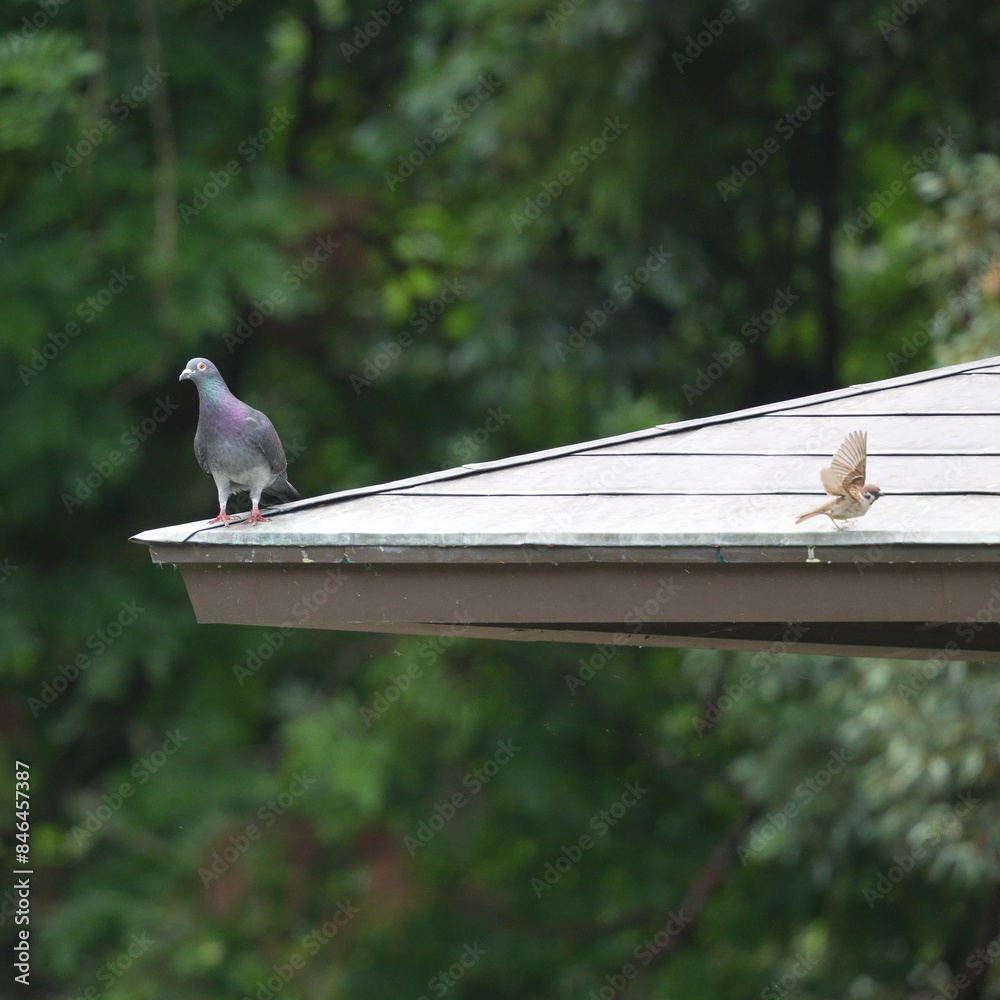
(494, 175)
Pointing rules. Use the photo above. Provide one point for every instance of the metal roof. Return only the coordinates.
(713, 500)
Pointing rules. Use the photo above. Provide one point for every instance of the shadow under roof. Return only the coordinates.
(680, 535)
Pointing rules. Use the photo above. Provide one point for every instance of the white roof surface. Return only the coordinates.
(739, 479)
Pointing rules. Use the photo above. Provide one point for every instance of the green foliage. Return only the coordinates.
(384, 225)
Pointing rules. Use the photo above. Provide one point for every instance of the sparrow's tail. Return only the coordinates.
(809, 514)
(280, 491)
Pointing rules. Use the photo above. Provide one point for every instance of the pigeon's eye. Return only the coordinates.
(201, 366)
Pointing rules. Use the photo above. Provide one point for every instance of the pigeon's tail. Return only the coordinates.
(280, 491)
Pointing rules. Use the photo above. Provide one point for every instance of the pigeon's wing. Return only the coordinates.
(280, 491)
(200, 452)
(846, 475)
(262, 433)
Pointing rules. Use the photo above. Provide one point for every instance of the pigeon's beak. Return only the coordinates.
(187, 373)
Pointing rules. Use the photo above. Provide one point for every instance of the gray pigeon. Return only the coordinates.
(236, 445)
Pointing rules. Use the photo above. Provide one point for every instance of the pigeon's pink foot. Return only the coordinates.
(223, 518)
(255, 517)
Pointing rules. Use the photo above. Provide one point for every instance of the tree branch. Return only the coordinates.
(480, 900)
(986, 933)
(706, 883)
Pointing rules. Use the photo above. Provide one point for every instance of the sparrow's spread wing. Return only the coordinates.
(846, 475)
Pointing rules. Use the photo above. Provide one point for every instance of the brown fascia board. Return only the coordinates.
(573, 601)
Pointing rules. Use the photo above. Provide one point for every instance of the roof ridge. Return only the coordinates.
(858, 389)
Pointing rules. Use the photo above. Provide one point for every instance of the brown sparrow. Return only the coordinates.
(845, 480)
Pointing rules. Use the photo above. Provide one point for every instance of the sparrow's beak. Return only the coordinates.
(187, 373)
